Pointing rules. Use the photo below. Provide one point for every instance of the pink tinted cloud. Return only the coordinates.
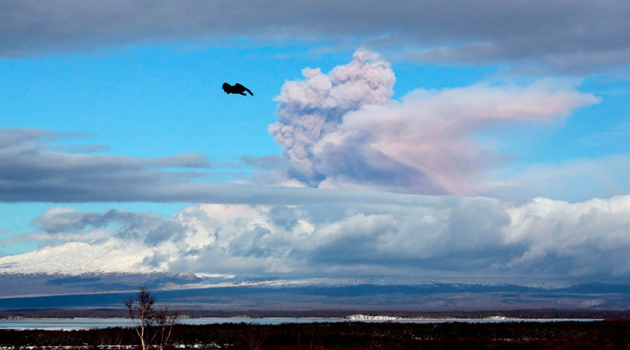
(343, 130)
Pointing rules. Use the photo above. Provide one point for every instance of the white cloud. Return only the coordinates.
(444, 236)
(571, 180)
(587, 238)
(343, 130)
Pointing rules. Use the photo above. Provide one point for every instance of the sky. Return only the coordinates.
(398, 139)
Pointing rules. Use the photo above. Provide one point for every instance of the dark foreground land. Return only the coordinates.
(608, 334)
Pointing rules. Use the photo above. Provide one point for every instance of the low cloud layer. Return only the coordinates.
(571, 180)
(564, 36)
(438, 236)
(343, 130)
(31, 172)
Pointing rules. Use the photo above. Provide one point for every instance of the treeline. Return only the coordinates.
(541, 313)
(611, 334)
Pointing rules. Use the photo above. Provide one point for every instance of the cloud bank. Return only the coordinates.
(31, 172)
(571, 180)
(438, 236)
(562, 36)
(343, 130)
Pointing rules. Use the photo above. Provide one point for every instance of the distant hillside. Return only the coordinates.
(190, 292)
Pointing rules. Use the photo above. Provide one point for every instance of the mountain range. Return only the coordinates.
(188, 291)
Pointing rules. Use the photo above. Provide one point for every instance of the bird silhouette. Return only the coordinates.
(236, 89)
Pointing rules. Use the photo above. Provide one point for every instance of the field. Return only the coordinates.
(608, 334)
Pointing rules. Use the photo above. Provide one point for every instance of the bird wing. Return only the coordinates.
(239, 86)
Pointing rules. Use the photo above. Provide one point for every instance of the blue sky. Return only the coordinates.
(112, 120)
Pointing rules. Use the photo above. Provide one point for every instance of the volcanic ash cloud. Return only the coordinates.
(344, 130)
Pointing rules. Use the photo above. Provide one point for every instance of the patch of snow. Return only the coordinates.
(361, 317)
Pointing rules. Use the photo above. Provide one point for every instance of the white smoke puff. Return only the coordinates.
(313, 108)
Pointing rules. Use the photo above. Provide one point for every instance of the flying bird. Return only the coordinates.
(236, 89)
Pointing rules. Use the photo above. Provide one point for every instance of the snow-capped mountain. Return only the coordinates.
(78, 258)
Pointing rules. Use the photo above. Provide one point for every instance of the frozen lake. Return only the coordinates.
(88, 323)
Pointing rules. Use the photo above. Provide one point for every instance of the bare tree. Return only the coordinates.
(164, 321)
(153, 326)
(254, 336)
